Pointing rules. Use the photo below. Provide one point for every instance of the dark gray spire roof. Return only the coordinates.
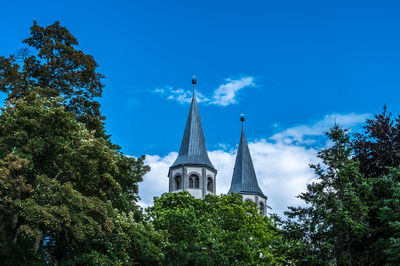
(193, 147)
(244, 179)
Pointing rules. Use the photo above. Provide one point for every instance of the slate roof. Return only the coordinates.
(244, 179)
(193, 147)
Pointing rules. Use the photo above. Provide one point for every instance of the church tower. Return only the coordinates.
(244, 179)
(193, 171)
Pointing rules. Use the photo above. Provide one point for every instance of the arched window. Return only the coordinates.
(190, 182)
(209, 184)
(177, 182)
(262, 208)
(196, 181)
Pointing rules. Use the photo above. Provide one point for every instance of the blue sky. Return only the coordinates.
(291, 65)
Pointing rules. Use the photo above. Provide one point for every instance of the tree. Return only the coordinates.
(67, 194)
(333, 225)
(378, 151)
(59, 183)
(219, 230)
(388, 215)
(13, 185)
(59, 68)
(379, 146)
(130, 243)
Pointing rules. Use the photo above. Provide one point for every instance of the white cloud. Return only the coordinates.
(224, 95)
(180, 95)
(281, 163)
(303, 134)
(155, 182)
(283, 171)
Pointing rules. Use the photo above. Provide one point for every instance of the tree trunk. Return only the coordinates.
(37, 243)
(348, 248)
(15, 239)
(14, 222)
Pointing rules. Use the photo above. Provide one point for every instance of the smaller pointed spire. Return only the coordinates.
(244, 179)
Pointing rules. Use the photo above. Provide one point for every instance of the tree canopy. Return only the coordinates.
(353, 209)
(332, 226)
(67, 194)
(219, 230)
(378, 151)
(60, 182)
(53, 63)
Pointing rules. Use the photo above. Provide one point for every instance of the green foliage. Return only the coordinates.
(129, 243)
(378, 151)
(54, 64)
(59, 182)
(388, 211)
(13, 184)
(219, 230)
(67, 195)
(379, 146)
(353, 209)
(333, 225)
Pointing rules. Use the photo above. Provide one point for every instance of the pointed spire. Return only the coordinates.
(193, 147)
(244, 179)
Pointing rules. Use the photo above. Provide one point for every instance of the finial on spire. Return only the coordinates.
(242, 117)
(194, 82)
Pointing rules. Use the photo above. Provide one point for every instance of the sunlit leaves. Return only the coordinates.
(219, 230)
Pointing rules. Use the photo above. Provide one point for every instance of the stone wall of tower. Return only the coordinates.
(261, 201)
(187, 172)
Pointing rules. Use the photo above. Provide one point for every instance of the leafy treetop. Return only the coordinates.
(57, 67)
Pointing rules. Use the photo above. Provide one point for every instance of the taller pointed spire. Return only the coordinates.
(193, 147)
(244, 179)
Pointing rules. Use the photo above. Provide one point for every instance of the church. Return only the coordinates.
(193, 171)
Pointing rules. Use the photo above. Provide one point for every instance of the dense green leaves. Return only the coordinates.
(334, 223)
(388, 212)
(59, 182)
(353, 210)
(131, 242)
(53, 64)
(379, 146)
(378, 151)
(219, 230)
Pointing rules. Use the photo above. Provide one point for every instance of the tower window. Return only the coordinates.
(196, 181)
(177, 182)
(262, 208)
(191, 182)
(209, 184)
